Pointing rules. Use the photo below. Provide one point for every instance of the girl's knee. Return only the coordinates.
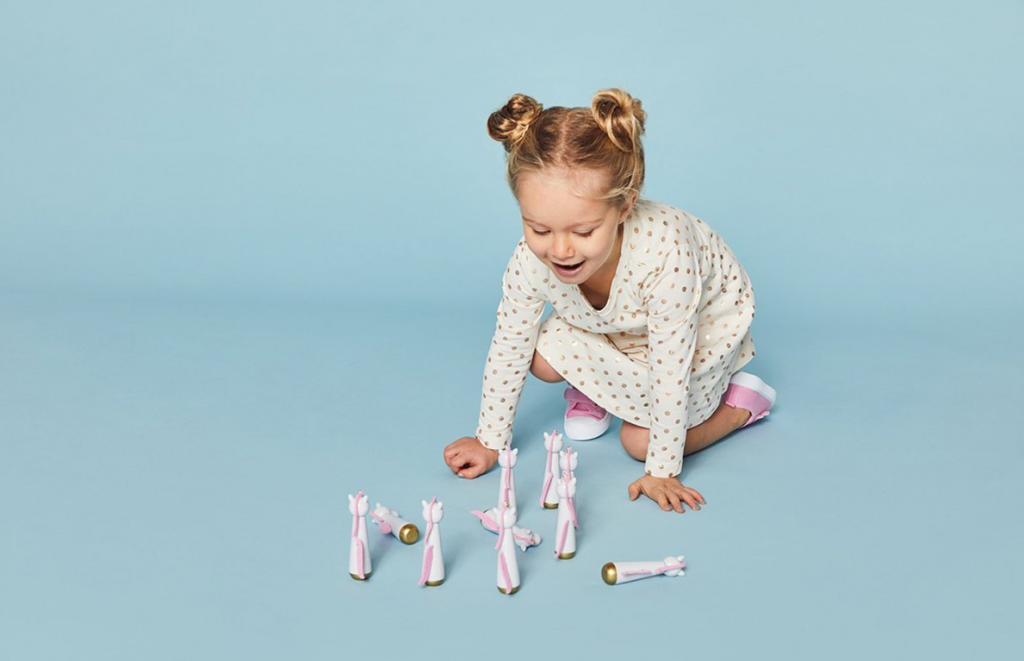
(634, 440)
(542, 370)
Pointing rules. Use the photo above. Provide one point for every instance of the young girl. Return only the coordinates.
(652, 310)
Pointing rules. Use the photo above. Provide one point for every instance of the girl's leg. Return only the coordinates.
(542, 370)
(725, 420)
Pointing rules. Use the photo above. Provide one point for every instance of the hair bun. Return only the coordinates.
(621, 116)
(509, 124)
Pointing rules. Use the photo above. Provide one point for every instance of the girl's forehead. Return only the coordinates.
(560, 198)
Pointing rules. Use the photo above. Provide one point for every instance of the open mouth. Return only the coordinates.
(569, 270)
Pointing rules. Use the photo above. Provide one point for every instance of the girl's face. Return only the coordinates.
(574, 236)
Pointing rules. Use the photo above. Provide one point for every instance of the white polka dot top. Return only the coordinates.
(675, 277)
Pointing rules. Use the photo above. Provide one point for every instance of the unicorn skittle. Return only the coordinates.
(524, 537)
(507, 485)
(565, 530)
(548, 494)
(508, 566)
(432, 573)
(359, 566)
(616, 573)
(390, 523)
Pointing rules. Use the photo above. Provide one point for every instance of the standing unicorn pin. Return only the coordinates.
(432, 573)
(359, 566)
(508, 565)
(548, 495)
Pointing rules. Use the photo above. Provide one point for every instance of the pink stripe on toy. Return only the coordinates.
(501, 528)
(359, 560)
(561, 542)
(355, 535)
(572, 513)
(490, 523)
(662, 570)
(355, 515)
(504, 572)
(430, 519)
(547, 485)
(427, 558)
(547, 473)
(384, 527)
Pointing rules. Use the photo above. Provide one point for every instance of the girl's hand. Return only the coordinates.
(667, 492)
(467, 457)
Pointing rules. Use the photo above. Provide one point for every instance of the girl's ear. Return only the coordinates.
(628, 206)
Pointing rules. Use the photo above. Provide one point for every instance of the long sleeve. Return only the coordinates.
(511, 352)
(672, 295)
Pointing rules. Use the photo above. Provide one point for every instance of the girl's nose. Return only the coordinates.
(563, 249)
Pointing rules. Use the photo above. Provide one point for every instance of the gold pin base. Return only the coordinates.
(566, 556)
(434, 584)
(361, 579)
(514, 590)
(549, 506)
(610, 573)
(409, 533)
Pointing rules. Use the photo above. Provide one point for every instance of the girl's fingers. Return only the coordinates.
(674, 499)
(474, 470)
(663, 501)
(691, 501)
(696, 495)
(454, 461)
(634, 491)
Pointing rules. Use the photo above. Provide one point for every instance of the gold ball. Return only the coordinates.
(609, 573)
(409, 533)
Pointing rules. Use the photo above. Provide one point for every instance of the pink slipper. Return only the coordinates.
(584, 419)
(747, 391)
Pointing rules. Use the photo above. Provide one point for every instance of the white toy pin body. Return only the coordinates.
(524, 537)
(548, 494)
(359, 566)
(432, 572)
(507, 484)
(389, 522)
(508, 565)
(565, 530)
(615, 573)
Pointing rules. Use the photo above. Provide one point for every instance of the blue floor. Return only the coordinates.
(250, 254)
(174, 480)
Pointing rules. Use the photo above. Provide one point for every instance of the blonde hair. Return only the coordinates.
(604, 137)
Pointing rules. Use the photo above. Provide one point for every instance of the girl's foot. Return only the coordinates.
(584, 419)
(748, 392)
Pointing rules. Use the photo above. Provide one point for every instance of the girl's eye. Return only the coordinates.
(584, 234)
(541, 232)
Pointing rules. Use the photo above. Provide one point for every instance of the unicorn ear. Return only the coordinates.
(350, 499)
(515, 452)
(424, 503)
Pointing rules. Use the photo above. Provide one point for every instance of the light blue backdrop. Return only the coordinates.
(250, 255)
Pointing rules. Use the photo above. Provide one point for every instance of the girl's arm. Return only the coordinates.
(672, 296)
(511, 352)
